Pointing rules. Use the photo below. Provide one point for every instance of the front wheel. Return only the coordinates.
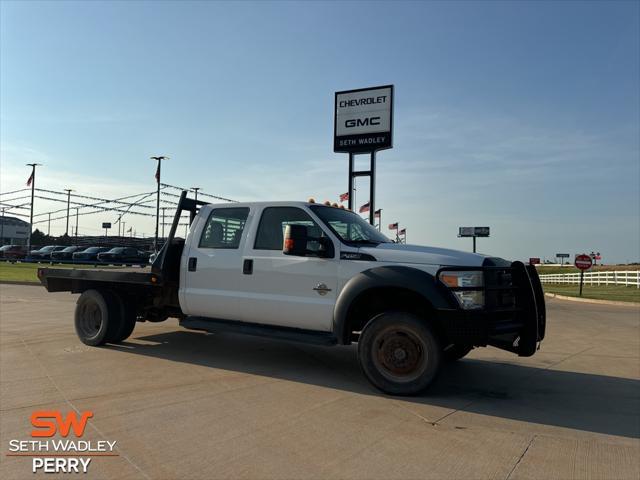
(399, 353)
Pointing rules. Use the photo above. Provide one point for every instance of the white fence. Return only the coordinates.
(624, 277)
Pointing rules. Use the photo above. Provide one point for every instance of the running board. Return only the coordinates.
(283, 333)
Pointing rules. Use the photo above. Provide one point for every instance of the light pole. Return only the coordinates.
(77, 215)
(2, 228)
(163, 209)
(31, 182)
(159, 160)
(195, 189)
(49, 225)
(68, 190)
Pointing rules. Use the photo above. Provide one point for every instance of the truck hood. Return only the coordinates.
(401, 253)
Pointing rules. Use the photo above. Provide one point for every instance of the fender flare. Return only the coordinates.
(392, 276)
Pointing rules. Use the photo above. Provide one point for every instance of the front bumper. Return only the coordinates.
(514, 316)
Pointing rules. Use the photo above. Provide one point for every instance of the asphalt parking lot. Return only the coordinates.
(186, 404)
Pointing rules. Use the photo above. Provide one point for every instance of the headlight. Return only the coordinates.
(455, 279)
(468, 299)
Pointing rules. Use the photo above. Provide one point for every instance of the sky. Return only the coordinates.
(521, 116)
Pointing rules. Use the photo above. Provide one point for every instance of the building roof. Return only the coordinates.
(13, 221)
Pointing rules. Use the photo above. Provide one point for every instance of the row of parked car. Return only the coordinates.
(59, 253)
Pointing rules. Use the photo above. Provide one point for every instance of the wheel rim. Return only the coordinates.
(90, 320)
(399, 354)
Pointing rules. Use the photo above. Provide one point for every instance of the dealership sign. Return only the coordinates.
(363, 120)
(473, 232)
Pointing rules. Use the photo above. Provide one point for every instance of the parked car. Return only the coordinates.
(90, 254)
(123, 255)
(65, 253)
(13, 252)
(45, 252)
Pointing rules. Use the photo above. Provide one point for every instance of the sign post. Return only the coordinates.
(106, 226)
(363, 124)
(561, 256)
(473, 232)
(582, 262)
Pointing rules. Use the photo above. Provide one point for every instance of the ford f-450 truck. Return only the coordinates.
(307, 272)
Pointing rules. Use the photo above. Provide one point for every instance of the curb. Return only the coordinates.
(10, 282)
(592, 300)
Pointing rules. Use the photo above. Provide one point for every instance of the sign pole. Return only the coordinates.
(350, 200)
(372, 189)
(581, 280)
(474, 244)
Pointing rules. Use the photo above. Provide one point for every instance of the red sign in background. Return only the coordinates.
(583, 262)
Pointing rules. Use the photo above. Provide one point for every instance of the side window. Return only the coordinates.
(224, 228)
(270, 234)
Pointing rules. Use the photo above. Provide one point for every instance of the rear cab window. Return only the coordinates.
(224, 228)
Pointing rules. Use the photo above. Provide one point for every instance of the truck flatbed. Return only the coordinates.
(63, 279)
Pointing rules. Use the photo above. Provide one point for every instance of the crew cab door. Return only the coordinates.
(211, 266)
(284, 290)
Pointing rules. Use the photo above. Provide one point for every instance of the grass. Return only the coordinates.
(28, 272)
(618, 293)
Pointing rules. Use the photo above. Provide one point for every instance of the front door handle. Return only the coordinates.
(247, 266)
(193, 263)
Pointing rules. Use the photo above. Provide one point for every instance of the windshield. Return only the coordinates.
(92, 250)
(48, 248)
(6, 247)
(69, 249)
(351, 228)
(117, 250)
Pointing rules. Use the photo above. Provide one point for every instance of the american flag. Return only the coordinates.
(364, 208)
(377, 213)
(158, 173)
(393, 226)
(30, 180)
(344, 197)
(402, 232)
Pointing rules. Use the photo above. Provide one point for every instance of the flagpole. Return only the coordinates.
(33, 186)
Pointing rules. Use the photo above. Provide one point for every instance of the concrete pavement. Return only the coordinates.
(184, 404)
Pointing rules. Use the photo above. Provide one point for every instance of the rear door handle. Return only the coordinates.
(193, 263)
(247, 266)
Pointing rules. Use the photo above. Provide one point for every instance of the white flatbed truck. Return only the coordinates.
(307, 272)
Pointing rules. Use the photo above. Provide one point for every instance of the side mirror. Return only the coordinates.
(295, 240)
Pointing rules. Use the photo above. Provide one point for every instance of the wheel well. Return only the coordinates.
(377, 300)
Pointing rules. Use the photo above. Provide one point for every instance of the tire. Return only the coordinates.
(456, 352)
(399, 353)
(98, 317)
(128, 319)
